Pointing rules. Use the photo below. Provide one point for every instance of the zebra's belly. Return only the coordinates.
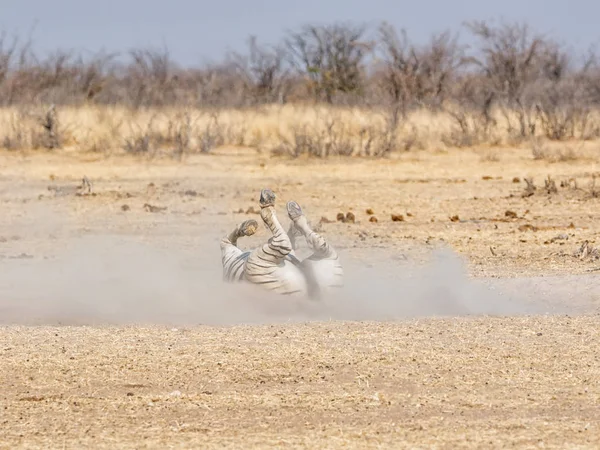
(285, 279)
(292, 279)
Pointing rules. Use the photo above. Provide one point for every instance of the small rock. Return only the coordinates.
(373, 219)
(397, 218)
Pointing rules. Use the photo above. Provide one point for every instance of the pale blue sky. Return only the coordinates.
(199, 30)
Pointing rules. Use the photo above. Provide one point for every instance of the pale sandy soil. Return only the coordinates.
(351, 379)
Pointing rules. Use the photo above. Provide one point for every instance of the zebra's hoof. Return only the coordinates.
(294, 210)
(267, 198)
(248, 228)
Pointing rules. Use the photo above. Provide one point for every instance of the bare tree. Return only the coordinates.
(564, 95)
(331, 56)
(150, 74)
(263, 71)
(471, 108)
(418, 76)
(510, 60)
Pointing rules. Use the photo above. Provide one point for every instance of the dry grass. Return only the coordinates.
(463, 383)
(292, 130)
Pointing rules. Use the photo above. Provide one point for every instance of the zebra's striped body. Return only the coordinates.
(274, 265)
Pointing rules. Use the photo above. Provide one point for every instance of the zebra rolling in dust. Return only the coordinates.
(274, 265)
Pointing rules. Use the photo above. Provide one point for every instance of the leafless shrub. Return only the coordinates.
(412, 140)
(180, 132)
(563, 106)
(510, 60)
(263, 72)
(387, 141)
(530, 188)
(211, 135)
(302, 142)
(333, 139)
(470, 107)
(413, 76)
(550, 185)
(594, 190)
(151, 77)
(331, 57)
(587, 251)
(142, 140)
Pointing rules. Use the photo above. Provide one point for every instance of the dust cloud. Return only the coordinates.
(113, 279)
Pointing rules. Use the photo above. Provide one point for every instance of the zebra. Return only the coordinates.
(274, 265)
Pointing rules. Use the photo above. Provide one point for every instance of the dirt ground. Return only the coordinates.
(470, 322)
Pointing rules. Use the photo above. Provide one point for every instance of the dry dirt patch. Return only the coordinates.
(526, 381)
(466, 383)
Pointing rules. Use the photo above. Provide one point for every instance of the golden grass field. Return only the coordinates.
(116, 333)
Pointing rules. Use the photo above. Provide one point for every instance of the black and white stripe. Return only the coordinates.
(275, 267)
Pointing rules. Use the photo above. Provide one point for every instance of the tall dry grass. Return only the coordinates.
(290, 130)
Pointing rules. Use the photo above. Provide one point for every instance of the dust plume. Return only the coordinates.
(112, 279)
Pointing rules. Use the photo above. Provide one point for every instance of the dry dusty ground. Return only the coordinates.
(119, 334)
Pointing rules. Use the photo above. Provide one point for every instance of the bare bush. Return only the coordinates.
(211, 135)
(510, 60)
(331, 57)
(471, 110)
(263, 72)
(181, 133)
(332, 140)
(142, 140)
(413, 76)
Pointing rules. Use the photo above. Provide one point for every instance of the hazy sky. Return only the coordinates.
(204, 29)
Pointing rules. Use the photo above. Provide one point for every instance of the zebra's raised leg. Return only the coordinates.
(232, 257)
(321, 248)
(293, 234)
(323, 267)
(266, 265)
